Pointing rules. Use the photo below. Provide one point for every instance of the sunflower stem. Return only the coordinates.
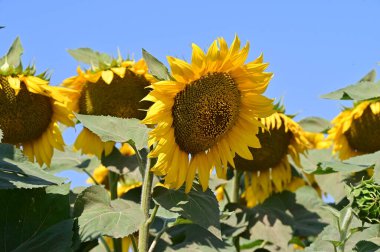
(90, 176)
(134, 244)
(164, 228)
(236, 186)
(113, 179)
(226, 194)
(146, 195)
(139, 159)
(104, 243)
(344, 229)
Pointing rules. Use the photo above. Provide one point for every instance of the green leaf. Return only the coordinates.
(366, 246)
(299, 210)
(194, 205)
(250, 245)
(327, 167)
(156, 67)
(333, 184)
(27, 213)
(370, 76)
(265, 230)
(17, 172)
(354, 164)
(233, 226)
(56, 238)
(190, 238)
(315, 124)
(120, 164)
(13, 57)
(110, 128)
(90, 57)
(312, 159)
(98, 215)
(71, 160)
(360, 91)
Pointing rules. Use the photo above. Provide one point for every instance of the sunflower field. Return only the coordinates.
(194, 157)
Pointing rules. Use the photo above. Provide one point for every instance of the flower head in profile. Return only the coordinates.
(207, 113)
(270, 171)
(113, 88)
(356, 131)
(30, 110)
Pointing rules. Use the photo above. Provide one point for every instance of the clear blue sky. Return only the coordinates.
(313, 47)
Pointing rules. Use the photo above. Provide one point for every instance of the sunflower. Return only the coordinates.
(30, 111)
(356, 131)
(114, 91)
(270, 170)
(207, 113)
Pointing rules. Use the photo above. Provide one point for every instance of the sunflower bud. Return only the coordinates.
(366, 201)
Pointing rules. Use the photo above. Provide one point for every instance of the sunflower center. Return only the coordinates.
(274, 146)
(364, 133)
(205, 110)
(120, 98)
(24, 117)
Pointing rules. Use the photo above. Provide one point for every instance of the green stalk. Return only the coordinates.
(235, 199)
(146, 195)
(139, 159)
(134, 244)
(89, 174)
(113, 179)
(236, 187)
(344, 229)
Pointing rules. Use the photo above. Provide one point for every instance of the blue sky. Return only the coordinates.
(313, 47)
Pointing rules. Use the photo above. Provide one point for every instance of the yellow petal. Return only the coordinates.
(107, 76)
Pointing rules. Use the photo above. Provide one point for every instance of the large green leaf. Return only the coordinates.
(370, 76)
(56, 238)
(197, 206)
(190, 238)
(121, 164)
(156, 67)
(360, 91)
(315, 124)
(98, 215)
(71, 160)
(17, 172)
(333, 184)
(300, 210)
(13, 57)
(354, 164)
(313, 158)
(110, 128)
(27, 213)
(90, 57)
(276, 233)
(232, 225)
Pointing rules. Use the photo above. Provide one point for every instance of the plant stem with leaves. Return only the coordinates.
(236, 186)
(343, 229)
(146, 195)
(113, 180)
